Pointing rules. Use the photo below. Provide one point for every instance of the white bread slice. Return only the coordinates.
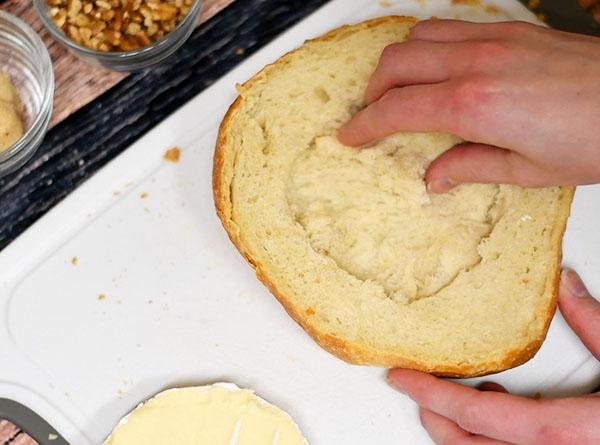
(374, 268)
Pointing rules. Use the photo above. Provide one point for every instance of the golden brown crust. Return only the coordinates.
(354, 352)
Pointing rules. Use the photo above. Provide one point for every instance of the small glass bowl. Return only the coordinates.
(134, 60)
(24, 57)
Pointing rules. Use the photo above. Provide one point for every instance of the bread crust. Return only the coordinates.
(355, 352)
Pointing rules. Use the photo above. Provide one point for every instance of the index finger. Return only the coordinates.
(497, 415)
(412, 108)
(448, 30)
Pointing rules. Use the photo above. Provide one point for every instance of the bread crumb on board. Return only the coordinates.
(101, 297)
(240, 51)
(172, 154)
(74, 261)
(52, 436)
(143, 195)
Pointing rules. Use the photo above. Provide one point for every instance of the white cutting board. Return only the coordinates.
(181, 305)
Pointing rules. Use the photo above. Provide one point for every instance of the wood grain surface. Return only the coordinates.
(78, 82)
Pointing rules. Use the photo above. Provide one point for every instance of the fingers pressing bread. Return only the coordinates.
(480, 163)
(488, 413)
(580, 309)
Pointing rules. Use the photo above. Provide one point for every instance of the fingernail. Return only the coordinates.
(440, 185)
(572, 283)
(491, 386)
(393, 384)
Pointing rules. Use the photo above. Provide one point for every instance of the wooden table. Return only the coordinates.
(76, 147)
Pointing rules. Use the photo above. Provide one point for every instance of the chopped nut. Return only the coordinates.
(117, 25)
(81, 20)
(97, 28)
(143, 37)
(152, 29)
(113, 37)
(168, 26)
(136, 17)
(73, 33)
(94, 42)
(128, 44)
(145, 11)
(107, 15)
(85, 34)
(74, 7)
(60, 18)
(118, 22)
(133, 29)
(103, 4)
(166, 11)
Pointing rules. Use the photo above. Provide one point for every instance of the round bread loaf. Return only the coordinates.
(377, 270)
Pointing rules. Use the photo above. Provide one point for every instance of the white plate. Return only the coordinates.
(181, 305)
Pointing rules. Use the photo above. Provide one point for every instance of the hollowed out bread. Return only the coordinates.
(374, 268)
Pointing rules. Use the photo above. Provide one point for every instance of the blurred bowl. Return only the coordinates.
(135, 60)
(24, 57)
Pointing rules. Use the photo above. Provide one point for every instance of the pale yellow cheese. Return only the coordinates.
(220, 414)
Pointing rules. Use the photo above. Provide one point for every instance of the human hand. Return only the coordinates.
(455, 414)
(526, 98)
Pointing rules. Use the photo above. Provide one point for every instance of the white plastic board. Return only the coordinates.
(181, 306)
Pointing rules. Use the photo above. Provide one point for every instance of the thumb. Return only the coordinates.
(469, 162)
(580, 309)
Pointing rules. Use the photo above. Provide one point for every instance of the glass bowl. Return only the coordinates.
(24, 57)
(134, 60)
